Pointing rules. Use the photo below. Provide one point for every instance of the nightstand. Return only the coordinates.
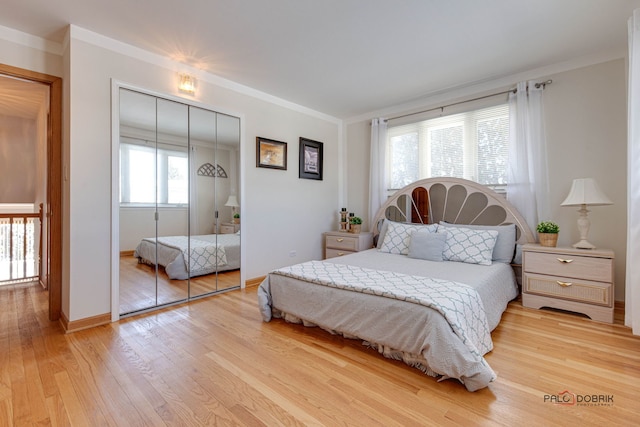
(229, 228)
(579, 280)
(339, 243)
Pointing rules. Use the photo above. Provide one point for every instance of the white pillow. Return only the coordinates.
(398, 235)
(470, 246)
(505, 243)
(383, 231)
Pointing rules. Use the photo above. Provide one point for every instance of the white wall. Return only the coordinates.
(280, 213)
(19, 143)
(29, 52)
(585, 112)
(586, 118)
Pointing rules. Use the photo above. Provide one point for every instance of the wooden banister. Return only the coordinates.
(20, 220)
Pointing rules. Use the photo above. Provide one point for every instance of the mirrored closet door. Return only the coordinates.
(179, 181)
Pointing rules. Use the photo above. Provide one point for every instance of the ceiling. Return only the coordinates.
(346, 58)
(22, 99)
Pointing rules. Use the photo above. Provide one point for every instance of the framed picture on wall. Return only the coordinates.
(271, 154)
(310, 159)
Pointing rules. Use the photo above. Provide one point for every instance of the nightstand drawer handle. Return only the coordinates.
(564, 284)
(564, 261)
(340, 239)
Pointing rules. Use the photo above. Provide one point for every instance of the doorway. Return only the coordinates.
(52, 209)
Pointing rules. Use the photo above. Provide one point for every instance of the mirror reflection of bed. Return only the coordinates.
(179, 172)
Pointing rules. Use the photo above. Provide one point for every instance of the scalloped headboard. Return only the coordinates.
(454, 200)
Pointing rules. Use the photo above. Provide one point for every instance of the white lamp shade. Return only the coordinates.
(232, 201)
(585, 191)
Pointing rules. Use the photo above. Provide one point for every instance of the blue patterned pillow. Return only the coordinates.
(398, 235)
(470, 246)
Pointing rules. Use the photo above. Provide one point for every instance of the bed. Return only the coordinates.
(207, 253)
(432, 289)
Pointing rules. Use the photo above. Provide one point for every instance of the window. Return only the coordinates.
(138, 166)
(471, 145)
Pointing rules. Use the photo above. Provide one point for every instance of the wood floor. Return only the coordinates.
(141, 289)
(214, 362)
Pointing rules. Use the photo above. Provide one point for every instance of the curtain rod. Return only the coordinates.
(514, 90)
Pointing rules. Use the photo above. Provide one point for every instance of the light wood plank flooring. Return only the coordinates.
(214, 362)
(139, 288)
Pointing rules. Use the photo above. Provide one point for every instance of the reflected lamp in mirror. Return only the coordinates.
(187, 84)
(232, 201)
(585, 192)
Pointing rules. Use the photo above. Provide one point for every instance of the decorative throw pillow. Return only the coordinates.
(428, 246)
(517, 258)
(505, 244)
(397, 237)
(470, 246)
(383, 231)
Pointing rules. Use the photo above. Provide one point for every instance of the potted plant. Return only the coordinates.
(236, 218)
(355, 223)
(548, 233)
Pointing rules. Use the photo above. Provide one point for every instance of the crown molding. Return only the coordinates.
(30, 40)
(491, 84)
(96, 39)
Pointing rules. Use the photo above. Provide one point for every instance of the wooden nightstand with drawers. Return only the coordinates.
(339, 243)
(229, 228)
(579, 280)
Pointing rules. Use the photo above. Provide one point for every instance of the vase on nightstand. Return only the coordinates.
(548, 239)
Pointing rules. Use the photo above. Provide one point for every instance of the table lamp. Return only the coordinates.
(585, 192)
(232, 201)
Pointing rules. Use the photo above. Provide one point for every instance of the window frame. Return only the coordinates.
(161, 156)
(470, 144)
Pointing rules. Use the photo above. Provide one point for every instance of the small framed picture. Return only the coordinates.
(271, 154)
(310, 159)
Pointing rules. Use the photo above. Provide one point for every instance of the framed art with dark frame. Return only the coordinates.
(271, 154)
(310, 159)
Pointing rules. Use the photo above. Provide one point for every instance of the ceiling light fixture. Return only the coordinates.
(187, 84)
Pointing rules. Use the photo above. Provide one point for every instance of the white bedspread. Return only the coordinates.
(460, 304)
(411, 332)
(198, 254)
(169, 252)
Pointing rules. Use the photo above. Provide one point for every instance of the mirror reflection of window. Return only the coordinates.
(172, 217)
(139, 162)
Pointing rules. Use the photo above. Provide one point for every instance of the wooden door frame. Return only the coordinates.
(53, 210)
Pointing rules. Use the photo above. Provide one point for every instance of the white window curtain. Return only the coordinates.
(527, 173)
(632, 289)
(377, 169)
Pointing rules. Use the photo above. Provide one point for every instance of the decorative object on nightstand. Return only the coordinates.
(339, 243)
(355, 224)
(232, 201)
(585, 192)
(569, 279)
(344, 219)
(548, 233)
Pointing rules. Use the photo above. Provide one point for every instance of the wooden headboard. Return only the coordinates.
(454, 200)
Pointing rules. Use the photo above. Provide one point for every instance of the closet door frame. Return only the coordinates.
(116, 85)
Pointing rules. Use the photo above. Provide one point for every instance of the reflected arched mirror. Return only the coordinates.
(179, 182)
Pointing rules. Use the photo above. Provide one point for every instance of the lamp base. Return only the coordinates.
(583, 244)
